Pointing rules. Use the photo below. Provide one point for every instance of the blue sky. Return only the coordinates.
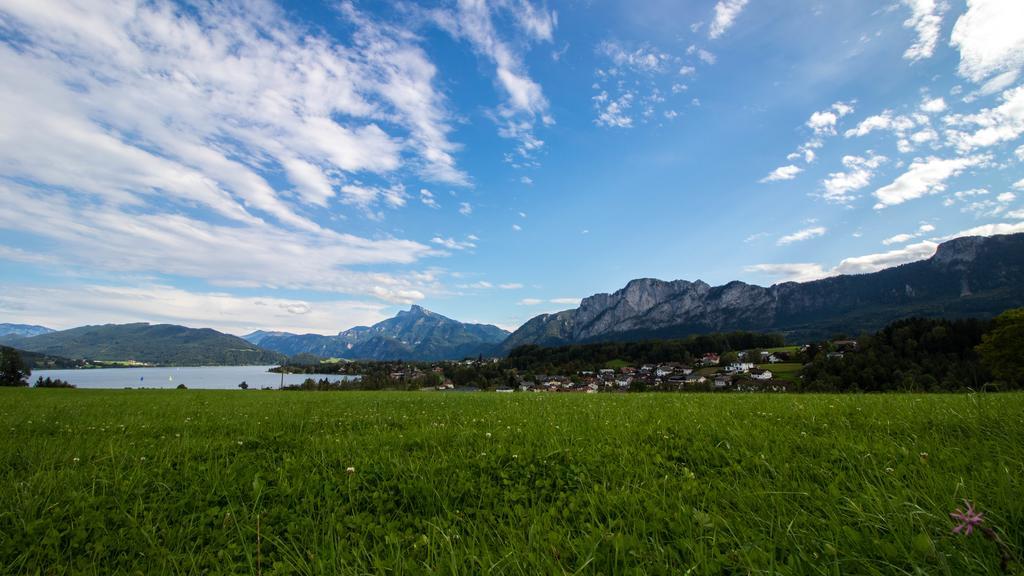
(310, 167)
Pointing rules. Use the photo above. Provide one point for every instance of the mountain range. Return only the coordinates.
(969, 276)
(12, 331)
(164, 344)
(415, 334)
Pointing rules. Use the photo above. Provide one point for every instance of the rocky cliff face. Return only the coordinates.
(972, 276)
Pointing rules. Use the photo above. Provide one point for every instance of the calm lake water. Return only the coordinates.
(208, 377)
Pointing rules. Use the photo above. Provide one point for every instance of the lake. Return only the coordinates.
(203, 377)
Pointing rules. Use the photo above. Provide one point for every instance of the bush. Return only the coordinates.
(52, 383)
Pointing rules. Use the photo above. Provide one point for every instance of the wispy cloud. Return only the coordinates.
(804, 272)
(802, 235)
(989, 41)
(726, 12)
(926, 21)
(95, 304)
(787, 172)
(926, 176)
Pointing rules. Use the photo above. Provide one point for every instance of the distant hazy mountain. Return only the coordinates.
(971, 276)
(153, 343)
(12, 331)
(258, 336)
(416, 334)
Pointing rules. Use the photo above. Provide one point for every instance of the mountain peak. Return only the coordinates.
(416, 310)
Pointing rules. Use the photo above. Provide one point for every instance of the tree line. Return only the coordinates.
(924, 355)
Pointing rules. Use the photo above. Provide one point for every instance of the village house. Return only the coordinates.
(739, 367)
(710, 359)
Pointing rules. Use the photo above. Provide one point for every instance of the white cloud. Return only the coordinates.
(314, 186)
(511, 286)
(933, 105)
(637, 83)
(792, 272)
(782, 173)
(926, 20)
(1006, 197)
(802, 235)
(994, 125)
(98, 237)
(367, 196)
(526, 180)
(990, 38)
(904, 238)
(927, 176)
(207, 142)
(898, 239)
(991, 230)
(566, 301)
(63, 308)
(517, 228)
(1016, 215)
(839, 186)
(726, 12)
(558, 301)
(643, 59)
(803, 272)
(924, 136)
(427, 198)
(465, 208)
(472, 20)
(453, 244)
(1019, 184)
(614, 113)
(823, 122)
(843, 108)
(884, 121)
(875, 262)
(537, 22)
(701, 54)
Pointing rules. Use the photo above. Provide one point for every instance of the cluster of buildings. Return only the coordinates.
(705, 374)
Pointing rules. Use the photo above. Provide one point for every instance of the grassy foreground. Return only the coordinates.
(191, 482)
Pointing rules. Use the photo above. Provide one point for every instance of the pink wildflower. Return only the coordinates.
(968, 519)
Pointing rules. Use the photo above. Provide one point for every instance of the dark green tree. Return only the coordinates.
(1002, 348)
(13, 371)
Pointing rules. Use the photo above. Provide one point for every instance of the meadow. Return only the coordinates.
(231, 482)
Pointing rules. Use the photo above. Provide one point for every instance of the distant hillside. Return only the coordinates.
(37, 361)
(13, 331)
(153, 343)
(258, 336)
(967, 277)
(416, 334)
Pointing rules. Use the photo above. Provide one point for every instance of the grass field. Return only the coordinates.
(789, 371)
(206, 482)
